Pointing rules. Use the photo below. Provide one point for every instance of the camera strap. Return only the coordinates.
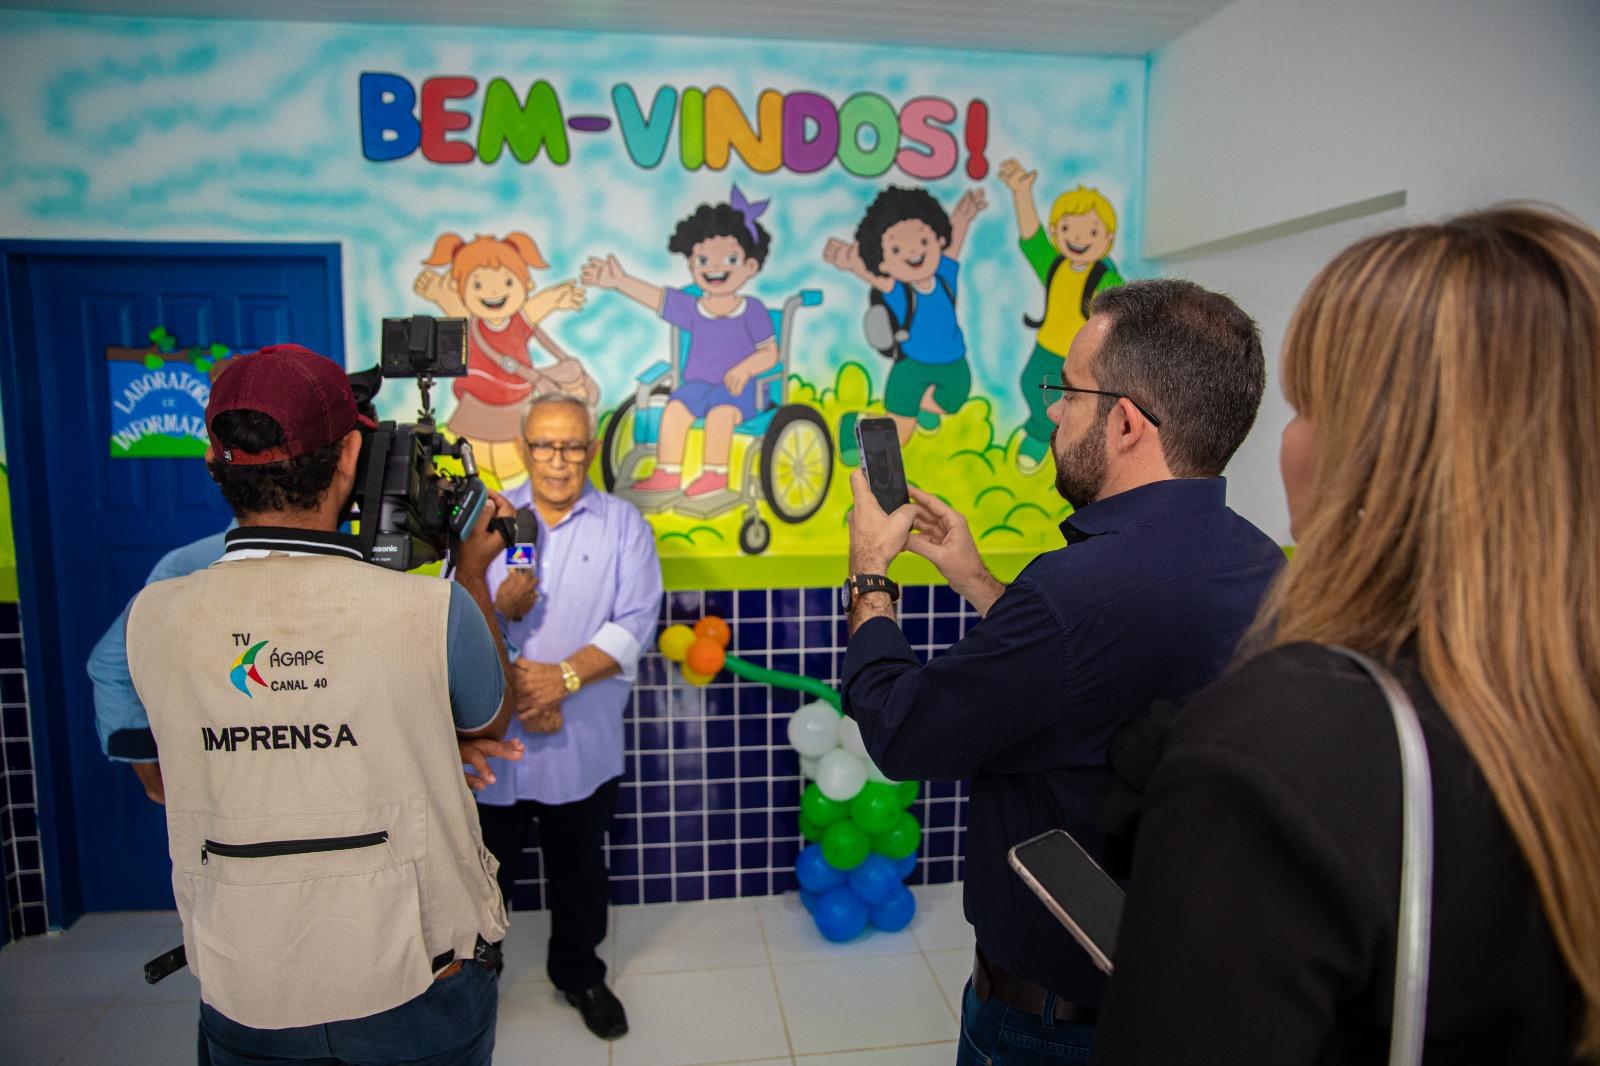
(372, 490)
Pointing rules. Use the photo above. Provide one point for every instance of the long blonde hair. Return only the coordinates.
(1451, 374)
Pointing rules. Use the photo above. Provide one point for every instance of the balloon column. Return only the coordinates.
(862, 840)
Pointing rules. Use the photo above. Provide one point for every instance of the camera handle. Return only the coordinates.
(425, 386)
(377, 454)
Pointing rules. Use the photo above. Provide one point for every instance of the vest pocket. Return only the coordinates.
(266, 849)
(290, 922)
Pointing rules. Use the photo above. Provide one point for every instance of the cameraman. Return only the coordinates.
(337, 901)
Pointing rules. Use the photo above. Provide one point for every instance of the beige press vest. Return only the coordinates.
(325, 847)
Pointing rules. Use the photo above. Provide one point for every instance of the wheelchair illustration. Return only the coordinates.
(784, 452)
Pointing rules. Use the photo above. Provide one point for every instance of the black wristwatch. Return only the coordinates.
(861, 584)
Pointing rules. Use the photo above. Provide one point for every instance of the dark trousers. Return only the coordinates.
(577, 884)
(994, 1034)
(451, 1024)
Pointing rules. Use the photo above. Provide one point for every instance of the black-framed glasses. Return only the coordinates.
(545, 450)
(1061, 386)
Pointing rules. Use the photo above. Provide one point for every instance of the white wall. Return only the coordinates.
(1274, 110)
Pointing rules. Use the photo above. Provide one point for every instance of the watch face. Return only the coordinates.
(844, 594)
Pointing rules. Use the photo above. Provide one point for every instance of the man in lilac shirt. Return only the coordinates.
(575, 629)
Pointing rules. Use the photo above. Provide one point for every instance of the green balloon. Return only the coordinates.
(906, 793)
(810, 830)
(822, 811)
(874, 808)
(902, 838)
(845, 846)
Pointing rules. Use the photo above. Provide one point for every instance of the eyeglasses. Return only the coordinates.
(1060, 386)
(545, 450)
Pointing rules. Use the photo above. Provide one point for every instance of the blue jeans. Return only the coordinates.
(451, 1024)
(996, 1034)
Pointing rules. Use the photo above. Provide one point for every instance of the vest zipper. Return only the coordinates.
(269, 848)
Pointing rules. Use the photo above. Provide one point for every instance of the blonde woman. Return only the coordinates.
(1443, 479)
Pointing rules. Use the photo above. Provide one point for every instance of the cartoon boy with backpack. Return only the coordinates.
(906, 249)
(1070, 258)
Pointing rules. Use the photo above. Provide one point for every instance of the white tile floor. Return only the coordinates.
(730, 982)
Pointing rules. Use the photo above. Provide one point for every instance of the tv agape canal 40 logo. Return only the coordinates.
(243, 671)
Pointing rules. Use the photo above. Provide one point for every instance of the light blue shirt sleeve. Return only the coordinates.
(627, 632)
(477, 681)
(119, 717)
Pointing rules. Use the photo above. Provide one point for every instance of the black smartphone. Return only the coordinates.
(879, 443)
(1082, 896)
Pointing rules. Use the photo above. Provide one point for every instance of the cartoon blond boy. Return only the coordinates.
(1071, 261)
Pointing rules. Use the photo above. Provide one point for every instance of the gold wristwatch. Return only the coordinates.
(570, 678)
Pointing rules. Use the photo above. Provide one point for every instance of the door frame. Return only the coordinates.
(40, 610)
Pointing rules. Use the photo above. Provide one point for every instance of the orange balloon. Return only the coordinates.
(705, 657)
(715, 629)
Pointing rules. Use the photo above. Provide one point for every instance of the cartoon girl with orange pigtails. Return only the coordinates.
(489, 282)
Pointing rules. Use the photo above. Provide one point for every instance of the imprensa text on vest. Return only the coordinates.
(277, 737)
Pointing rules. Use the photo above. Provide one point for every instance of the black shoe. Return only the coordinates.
(602, 1011)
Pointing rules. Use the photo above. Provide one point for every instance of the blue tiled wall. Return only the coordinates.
(709, 805)
(710, 798)
(19, 805)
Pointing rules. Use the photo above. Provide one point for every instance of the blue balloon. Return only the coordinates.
(809, 899)
(895, 913)
(814, 873)
(840, 915)
(874, 880)
(904, 868)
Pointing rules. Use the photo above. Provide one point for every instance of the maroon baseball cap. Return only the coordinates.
(307, 394)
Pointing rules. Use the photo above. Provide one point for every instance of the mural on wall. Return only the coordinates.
(1071, 260)
(732, 249)
(489, 282)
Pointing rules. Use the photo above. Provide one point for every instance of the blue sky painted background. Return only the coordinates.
(129, 129)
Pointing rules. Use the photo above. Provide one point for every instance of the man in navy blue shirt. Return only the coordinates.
(1158, 581)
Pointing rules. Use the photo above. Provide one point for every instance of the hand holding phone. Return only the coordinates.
(1082, 896)
(879, 443)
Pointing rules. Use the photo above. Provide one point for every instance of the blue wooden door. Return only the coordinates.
(89, 527)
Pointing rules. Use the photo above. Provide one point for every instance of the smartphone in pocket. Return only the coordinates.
(879, 443)
(1082, 896)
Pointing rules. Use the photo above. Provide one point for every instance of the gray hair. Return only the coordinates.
(543, 399)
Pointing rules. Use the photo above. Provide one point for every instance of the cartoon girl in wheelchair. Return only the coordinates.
(729, 378)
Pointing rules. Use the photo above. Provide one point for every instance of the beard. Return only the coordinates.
(1081, 466)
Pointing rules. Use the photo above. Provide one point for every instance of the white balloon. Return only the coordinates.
(814, 729)
(808, 768)
(841, 775)
(850, 736)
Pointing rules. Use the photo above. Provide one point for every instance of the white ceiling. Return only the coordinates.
(1116, 27)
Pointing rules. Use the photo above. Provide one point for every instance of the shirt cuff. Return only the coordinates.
(621, 646)
(132, 745)
(876, 639)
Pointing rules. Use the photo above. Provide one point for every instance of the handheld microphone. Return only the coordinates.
(523, 552)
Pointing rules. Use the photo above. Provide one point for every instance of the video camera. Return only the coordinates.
(410, 513)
